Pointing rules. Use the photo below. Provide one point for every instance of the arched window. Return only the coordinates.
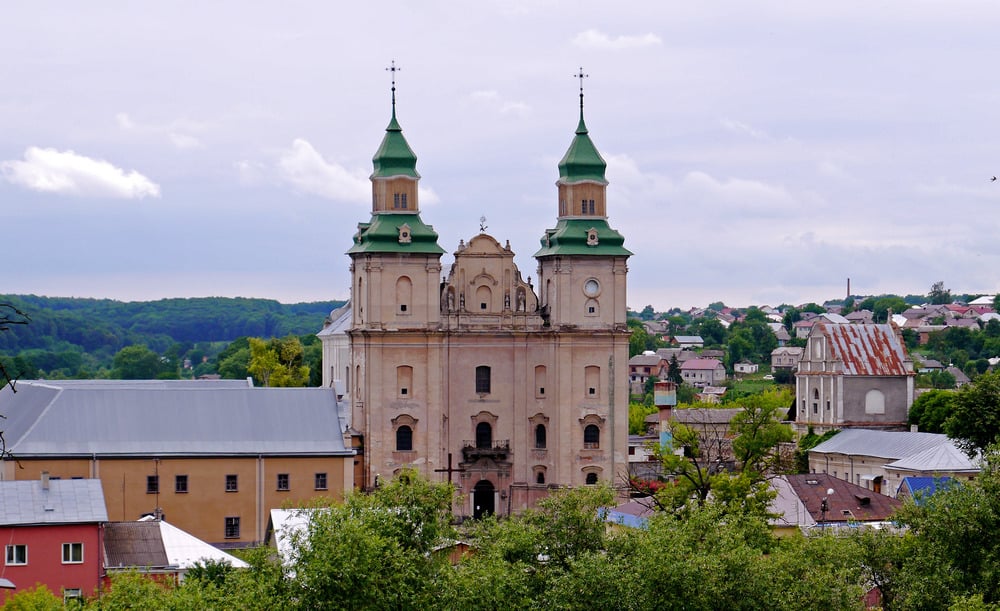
(591, 479)
(540, 477)
(591, 436)
(874, 402)
(540, 436)
(404, 439)
(484, 435)
(483, 380)
(816, 394)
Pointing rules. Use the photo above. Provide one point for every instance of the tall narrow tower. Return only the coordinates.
(395, 279)
(581, 283)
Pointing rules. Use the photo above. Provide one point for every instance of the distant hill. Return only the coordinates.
(104, 326)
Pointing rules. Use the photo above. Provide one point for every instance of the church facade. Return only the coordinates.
(479, 377)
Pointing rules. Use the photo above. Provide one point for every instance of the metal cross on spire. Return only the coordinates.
(580, 75)
(393, 69)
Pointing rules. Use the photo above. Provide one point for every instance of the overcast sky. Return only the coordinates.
(758, 152)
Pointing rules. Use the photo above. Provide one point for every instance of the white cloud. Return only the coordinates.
(68, 173)
(305, 169)
(177, 132)
(595, 39)
(742, 128)
(491, 99)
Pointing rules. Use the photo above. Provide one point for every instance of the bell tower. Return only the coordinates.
(582, 261)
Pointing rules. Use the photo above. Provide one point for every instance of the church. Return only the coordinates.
(506, 388)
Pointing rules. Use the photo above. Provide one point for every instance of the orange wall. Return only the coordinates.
(202, 510)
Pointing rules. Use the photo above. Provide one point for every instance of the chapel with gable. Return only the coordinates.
(479, 376)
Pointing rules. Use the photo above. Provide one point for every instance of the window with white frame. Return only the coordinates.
(72, 553)
(17, 554)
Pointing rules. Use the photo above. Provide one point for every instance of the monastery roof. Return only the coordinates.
(140, 419)
(882, 444)
(865, 350)
(582, 161)
(66, 501)
(383, 234)
(943, 458)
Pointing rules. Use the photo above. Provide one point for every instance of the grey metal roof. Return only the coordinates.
(338, 322)
(201, 418)
(882, 444)
(705, 415)
(66, 501)
(943, 458)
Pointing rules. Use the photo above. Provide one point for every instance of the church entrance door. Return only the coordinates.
(483, 502)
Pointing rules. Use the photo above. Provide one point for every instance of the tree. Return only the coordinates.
(674, 371)
(880, 310)
(278, 362)
(759, 430)
(647, 313)
(38, 598)
(930, 410)
(137, 362)
(974, 422)
(939, 295)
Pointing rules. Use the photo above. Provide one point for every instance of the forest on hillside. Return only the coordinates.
(75, 337)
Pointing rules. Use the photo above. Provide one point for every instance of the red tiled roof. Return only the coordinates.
(848, 501)
(867, 350)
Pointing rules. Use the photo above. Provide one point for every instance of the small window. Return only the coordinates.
(540, 477)
(395, 200)
(404, 439)
(282, 481)
(320, 481)
(592, 391)
(181, 483)
(828, 406)
(152, 484)
(71, 594)
(72, 553)
(591, 479)
(402, 307)
(540, 436)
(541, 391)
(232, 528)
(232, 483)
(483, 380)
(591, 437)
(482, 306)
(402, 199)
(17, 554)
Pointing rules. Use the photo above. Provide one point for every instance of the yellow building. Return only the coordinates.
(212, 457)
(484, 379)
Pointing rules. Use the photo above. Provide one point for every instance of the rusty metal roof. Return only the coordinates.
(867, 350)
(134, 544)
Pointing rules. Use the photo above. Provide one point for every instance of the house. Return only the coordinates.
(853, 376)
(210, 457)
(801, 328)
(816, 500)
(51, 532)
(643, 366)
(745, 367)
(879, 460)
(930, 365)
(687, 342)
(710, 424)
(633, 514)
(921, 488)
(703, 372)
(786, 357)
(961, 379)
(860, 317)
(780, 333)
(711, 394)
(157, 548)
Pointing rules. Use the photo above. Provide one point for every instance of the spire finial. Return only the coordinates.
(393, 69)
(580, 75)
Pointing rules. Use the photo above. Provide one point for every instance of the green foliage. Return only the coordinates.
(758, 431)
(637, 413)
(640, 340)
(930, 410)
(941, 380)
(939, 294)
(807, 442)
(974, 421)
(953, 552)
(278, 362)
(137, 363)
(38, 598)
(71, 337)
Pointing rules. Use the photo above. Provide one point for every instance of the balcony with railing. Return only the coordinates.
(497, 450)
